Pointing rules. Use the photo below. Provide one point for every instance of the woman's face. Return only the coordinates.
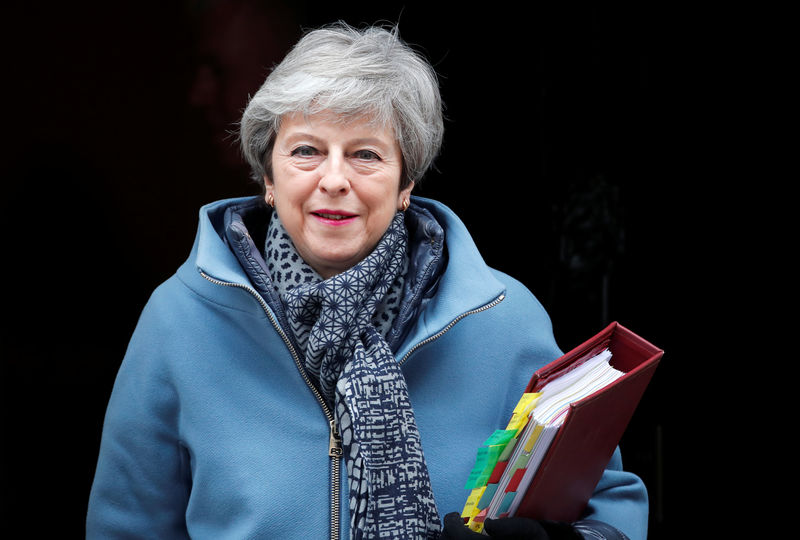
(336, 187)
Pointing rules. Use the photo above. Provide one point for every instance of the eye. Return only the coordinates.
(304, 151)
(367, 155)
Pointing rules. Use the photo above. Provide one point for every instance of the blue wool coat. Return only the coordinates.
(212, 432)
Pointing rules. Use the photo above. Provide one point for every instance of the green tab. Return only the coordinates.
(500, 437)
(477, 470)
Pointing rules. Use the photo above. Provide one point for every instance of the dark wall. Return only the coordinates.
(566, 153)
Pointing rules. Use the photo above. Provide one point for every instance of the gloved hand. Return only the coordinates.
(513, 528)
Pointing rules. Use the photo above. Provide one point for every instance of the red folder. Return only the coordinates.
(581, 450)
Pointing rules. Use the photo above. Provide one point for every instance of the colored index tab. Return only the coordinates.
(492, 455)
(480, 517)
(500, 437)
(476, 526)
(480, 464)
(537, 430)
(513, 484)
(522, 461)
(522, 410)
(497, 473)
(508, 450)
(486, 498)
(471, 506)
(476, 523)
(508, 498)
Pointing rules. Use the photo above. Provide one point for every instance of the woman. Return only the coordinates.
(300, 332)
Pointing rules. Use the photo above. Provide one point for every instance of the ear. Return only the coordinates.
(404, 195)
(269, 188)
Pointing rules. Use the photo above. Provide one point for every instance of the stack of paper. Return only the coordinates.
(508, 460)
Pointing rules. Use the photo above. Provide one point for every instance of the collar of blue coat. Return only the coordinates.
(467, 284)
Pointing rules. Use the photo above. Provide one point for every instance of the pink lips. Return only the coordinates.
(334, 218)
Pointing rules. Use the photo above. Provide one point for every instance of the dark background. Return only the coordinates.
(574, 153)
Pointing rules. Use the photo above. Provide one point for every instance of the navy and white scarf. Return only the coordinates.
(339, 325)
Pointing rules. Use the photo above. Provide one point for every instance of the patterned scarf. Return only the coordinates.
(340, 324)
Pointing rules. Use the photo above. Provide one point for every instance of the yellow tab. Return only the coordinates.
(537, 430)
(476, 526)
(471, 506)
(523, 409)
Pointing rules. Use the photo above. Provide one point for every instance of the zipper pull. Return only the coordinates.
(335, 443)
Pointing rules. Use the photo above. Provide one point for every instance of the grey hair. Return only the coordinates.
(350, 72)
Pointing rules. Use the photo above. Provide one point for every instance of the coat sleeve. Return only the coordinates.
(141, 483)
(620, 503)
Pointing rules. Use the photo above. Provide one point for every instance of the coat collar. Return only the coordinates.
(467, 283)
(211, 252)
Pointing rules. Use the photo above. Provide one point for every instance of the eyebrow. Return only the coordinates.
(316, 140)
(302, 135)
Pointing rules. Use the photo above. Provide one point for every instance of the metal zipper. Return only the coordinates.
(452, 323)
(335, 452)
(334, 441)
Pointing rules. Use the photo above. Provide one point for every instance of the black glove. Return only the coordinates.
(455, 529)
(513, 528)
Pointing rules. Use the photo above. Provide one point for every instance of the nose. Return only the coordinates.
(334, 176)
